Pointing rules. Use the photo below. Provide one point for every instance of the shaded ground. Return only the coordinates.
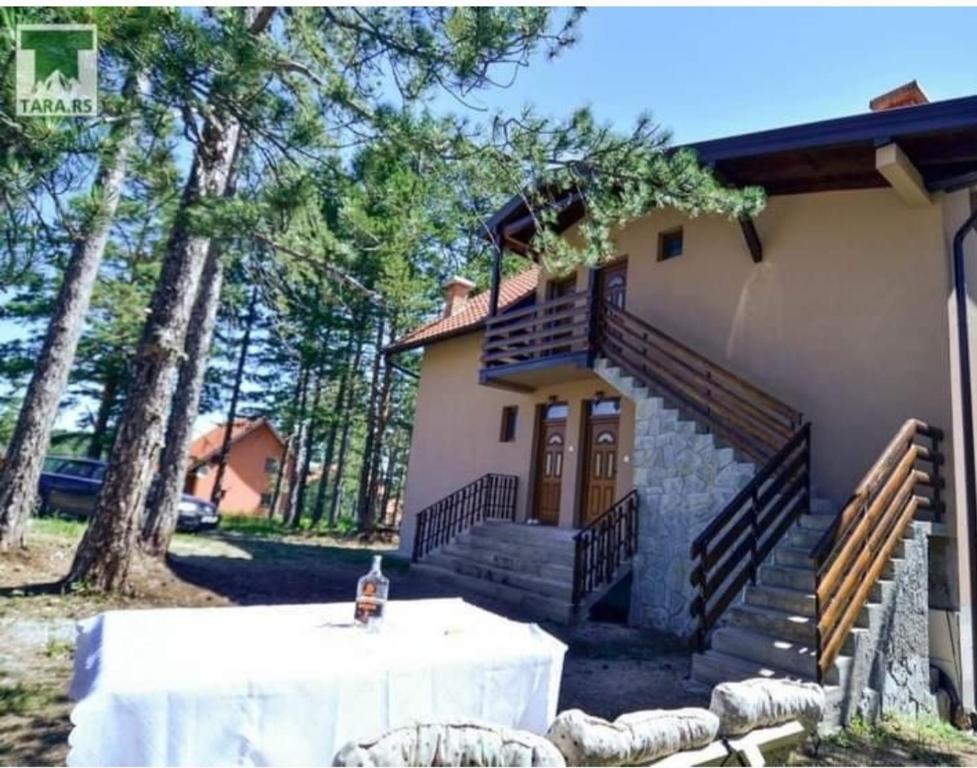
(609, 668)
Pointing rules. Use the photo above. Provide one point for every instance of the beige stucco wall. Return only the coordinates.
(844, 319)
(456, 432)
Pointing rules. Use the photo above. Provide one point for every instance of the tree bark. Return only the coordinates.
(110, 392)
(286, 453)
(364, 514)
(163, 506)
(298, 455)
(105, 552)
(25, 454)
(313, 423)
(344, 437)
(217, 494)
(334, 418)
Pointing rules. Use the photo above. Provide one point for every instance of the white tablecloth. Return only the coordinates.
(289, 685)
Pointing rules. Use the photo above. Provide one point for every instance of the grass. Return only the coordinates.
(895, 741)
(263, 527)
(20, 699)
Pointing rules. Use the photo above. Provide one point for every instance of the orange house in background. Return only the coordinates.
(252, 466)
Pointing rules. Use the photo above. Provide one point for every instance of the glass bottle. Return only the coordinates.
(371, 597)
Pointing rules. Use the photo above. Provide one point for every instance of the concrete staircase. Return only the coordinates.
(529, 567)
(771, 633)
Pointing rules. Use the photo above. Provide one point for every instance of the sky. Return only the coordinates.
(710, 72)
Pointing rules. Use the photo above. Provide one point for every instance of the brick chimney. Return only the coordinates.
(456, 292)
(908, 95)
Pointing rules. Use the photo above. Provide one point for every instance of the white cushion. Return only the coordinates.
(761, 702)
(452, 743)
(632, 739)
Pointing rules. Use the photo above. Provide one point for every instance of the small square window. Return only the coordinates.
(507, 432)
(271, 465)
(669, 244)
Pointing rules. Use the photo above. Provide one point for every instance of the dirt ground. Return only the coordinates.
(609, 668)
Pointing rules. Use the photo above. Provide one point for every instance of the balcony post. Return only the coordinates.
(496, 239)
(594, 315)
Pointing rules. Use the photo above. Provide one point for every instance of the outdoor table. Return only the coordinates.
(290, 685)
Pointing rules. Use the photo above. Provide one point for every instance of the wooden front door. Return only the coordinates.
(549, 462)
(614, 283)
(601, 458)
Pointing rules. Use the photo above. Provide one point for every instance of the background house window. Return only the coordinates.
(507, 432)
(669, 244)
(266, 498)
(271, 465)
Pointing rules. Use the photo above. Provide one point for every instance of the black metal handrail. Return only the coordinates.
(853, 552)
(490, 497)
(604, 545)
(731, 548)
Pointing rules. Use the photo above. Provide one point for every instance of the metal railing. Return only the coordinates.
(605, 545)
(491, 497)
(729, 551)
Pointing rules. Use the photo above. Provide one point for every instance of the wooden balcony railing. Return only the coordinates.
(604, 545)
(743, 415)
(729, 550)
(557, 327)
(491, 497)
(853, 552)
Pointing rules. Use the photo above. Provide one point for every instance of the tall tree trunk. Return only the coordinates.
(386, 394)
(334, 418)
(217, 494)
(105, 552)
(25, 454)
(286, 454)
(298, 456)
(163, 507)
(110, 392)
(393, 459)
(347, 417)
(364, 514)
(310, 442)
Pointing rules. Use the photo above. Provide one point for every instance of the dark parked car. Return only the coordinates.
(69, 485)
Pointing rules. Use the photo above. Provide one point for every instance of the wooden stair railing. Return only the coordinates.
(730, 549)
(741, 414)
(555, 327)
(604, 545)
(492, 496)
(852, 554)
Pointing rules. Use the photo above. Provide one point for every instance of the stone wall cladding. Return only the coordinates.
(890, 667)
(683, 479)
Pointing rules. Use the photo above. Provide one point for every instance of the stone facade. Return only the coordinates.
(891, 656)
(683, 480)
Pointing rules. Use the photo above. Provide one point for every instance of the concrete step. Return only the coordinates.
(531, 565)
(793, 557)
(531, 604)
(820, 506)
(713, 667)
(767, 651)
(786, 577)
(562, 589)
(547, 535)
(526, 551)
(789, 626)
(780, 599)
(802, 538)
(819, 523)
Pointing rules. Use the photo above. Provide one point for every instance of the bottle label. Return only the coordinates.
(369, 607)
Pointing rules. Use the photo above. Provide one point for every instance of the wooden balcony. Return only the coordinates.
(539, 345)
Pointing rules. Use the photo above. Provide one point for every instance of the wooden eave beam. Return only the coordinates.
(752, 238)
(895, 166)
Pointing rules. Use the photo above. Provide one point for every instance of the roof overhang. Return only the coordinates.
(938, 139)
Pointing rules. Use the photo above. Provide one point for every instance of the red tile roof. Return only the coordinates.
(209, 443)
(472, 317)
